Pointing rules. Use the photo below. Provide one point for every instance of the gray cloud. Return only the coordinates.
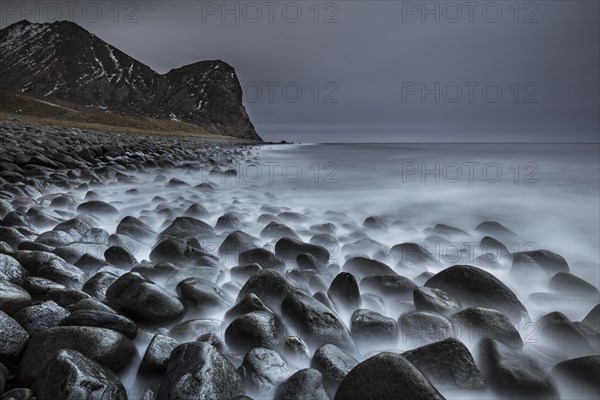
(356, 74)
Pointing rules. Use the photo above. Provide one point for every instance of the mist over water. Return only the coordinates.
(547, 194)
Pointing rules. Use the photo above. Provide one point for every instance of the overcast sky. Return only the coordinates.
(375, 70)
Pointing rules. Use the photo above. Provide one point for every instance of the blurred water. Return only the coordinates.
(548, 194)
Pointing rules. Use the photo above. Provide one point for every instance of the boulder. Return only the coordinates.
(255, 329)
(105, 346)
(71, 375)
(144, 300)
(303, 385)
(513, 373)
(475, 287)
(198, 371)
(316, 323)
(447, 364)
(386, 376)
(481, 323)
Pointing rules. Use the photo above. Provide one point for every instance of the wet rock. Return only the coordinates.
(212, 339)
(183, 227)
(576, 339)
(211, 274)
(11, 270)
(66, 297)
(39, 287)
(422, 327)
(288, 249)
(174, 182)
(489, 245)
(14, 339)
(242, 273)
(325, 240)
(191, 330)
(143, 299)
(102, 319)
(11, 236)
(71, 375)
(447, 364)
(334, 364)
(513, 373)
(77, 226)
(422, 278)
(344, 292)
(362, 267)
(235, 243)
(565, 282)
(255, 329)
(105, 346)
(3, 377)
(203, 296)
(196, 211)
(495, 228)
(436, 300)
(549, 261)
(323, 228)
(473, 286)
(270, 287)
(135, 228)
(386, 376)
(592, 319)
(97, 285)
(373, 302)
(244, 305)
(484, 322)
(304, 384)
(316, 323)
(295, 350)
(375, 223)
(262, 257)
(98, 208)
(173, 250)
(40, 317)
(90, 264)
(19, 394)
(55, 238)
(229, 221)
(120, 257)
(199, 371)
(308, 261)
(583, 372)
(264, 370)
(525, 269)
(277, 231)
(156, 357)
(412, 253)
(12, 297)
(388, 286)
(450, 231)
(370, 327)
(61, 272)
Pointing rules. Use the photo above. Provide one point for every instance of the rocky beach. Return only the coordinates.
(155, 267)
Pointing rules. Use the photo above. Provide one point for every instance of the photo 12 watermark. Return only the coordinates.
(470, 92)
(526, 172)
(254, 12)
(453, 12)
(291, 92)
(127, 12)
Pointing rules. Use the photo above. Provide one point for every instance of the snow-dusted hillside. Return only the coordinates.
(65, 61)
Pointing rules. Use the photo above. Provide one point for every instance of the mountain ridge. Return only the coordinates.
(65, 61)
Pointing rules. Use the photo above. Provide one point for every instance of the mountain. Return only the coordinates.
(63, 60)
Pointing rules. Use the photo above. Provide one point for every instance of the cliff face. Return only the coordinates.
(65, 61)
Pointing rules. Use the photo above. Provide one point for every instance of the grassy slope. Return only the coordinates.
(33, 110)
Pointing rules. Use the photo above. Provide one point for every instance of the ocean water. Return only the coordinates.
(547, 194)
